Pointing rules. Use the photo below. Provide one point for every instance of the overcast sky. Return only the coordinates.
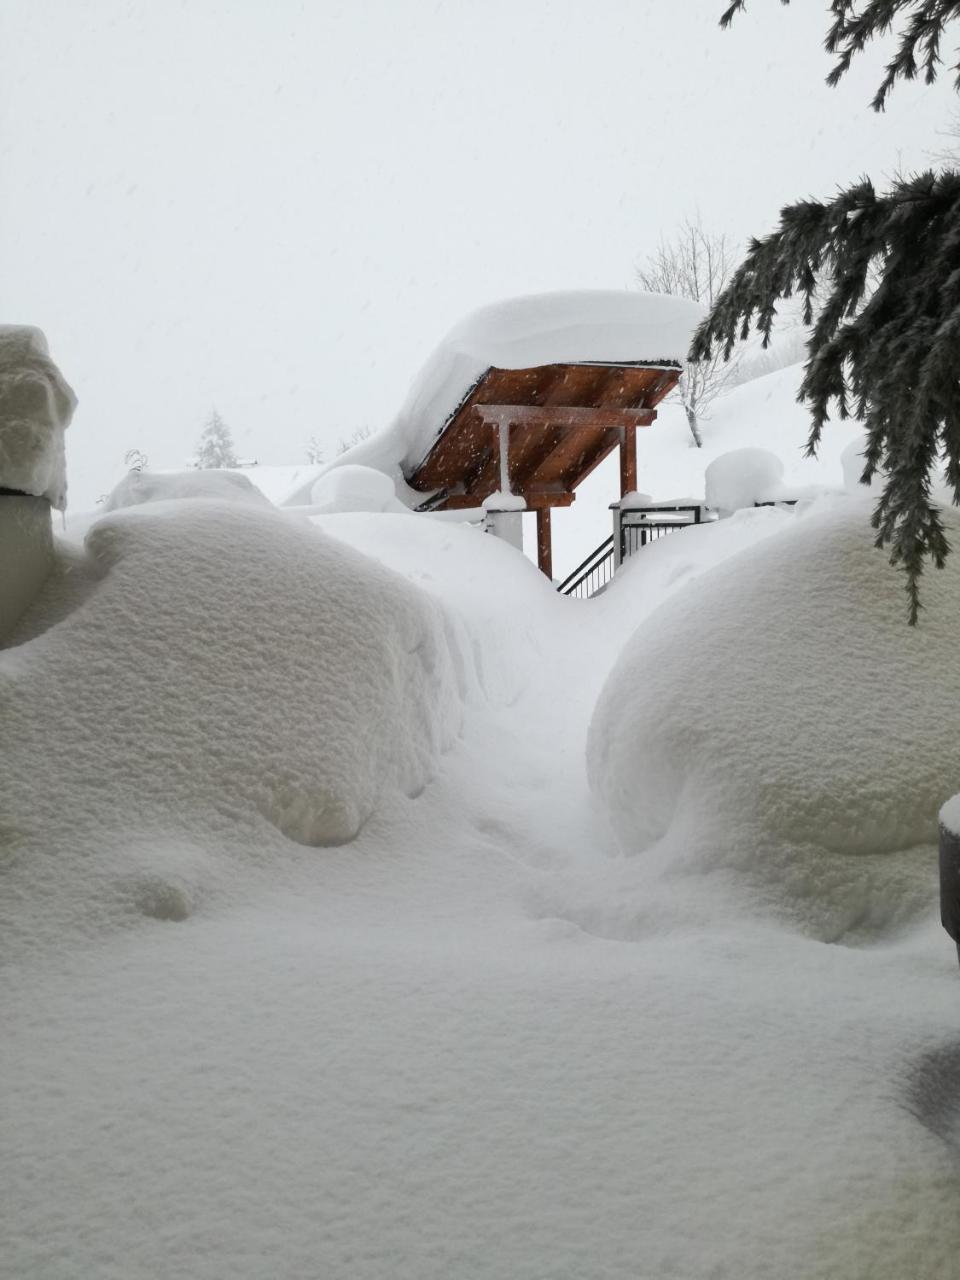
(278, 207)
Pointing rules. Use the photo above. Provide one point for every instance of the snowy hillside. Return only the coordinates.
(522, 1023)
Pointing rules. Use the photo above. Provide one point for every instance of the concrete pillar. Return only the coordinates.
(26, 554)
(507, 525)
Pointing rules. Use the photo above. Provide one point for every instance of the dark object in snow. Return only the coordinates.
(950, 883)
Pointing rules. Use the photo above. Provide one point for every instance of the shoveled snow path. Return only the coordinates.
(407, 1061)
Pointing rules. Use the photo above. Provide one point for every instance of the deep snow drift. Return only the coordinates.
(783, 723)
(233, 682)
(477, 1040)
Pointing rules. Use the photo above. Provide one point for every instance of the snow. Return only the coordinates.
(775, 729)
(760, 414)
(490, 1035)
(950, 815)
(234, 683)
(550, 328)
(36, 406)
(138, 487)
(742, 478)
(354, 488)
(499, 501)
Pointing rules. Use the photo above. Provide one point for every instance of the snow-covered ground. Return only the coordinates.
(696, 1021)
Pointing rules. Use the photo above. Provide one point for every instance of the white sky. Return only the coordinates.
(279, 207)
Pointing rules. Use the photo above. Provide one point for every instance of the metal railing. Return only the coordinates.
(593, 575)
(636, 526)
(640, 525)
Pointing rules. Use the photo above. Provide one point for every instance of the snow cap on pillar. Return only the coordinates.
(36, 405)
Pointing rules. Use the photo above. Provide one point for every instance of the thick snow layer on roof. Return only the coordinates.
(236, 685)
(36, 406)
(783, 724)
(606, 326)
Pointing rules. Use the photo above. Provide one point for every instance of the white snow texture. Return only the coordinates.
(138, 487)
(782, 725)
(233, 676)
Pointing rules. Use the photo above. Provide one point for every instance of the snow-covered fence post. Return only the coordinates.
(36, 406)
(617, 534)
(950, 869)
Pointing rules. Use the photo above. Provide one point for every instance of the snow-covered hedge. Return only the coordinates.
(783, 723)
(237, 684)
(138, 487)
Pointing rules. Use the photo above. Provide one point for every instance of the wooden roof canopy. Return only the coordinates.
(543, 430)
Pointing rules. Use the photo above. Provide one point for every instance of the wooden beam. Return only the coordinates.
(561, 415)
(544, 543)
(535, 499)
(628, 462)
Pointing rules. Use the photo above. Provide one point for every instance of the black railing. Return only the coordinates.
(640, 525)
(591, 576)
(637, 526)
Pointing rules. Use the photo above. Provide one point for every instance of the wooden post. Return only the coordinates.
(544, 542)
(628, 461)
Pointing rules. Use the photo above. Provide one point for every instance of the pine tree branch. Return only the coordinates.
(885, 344)
(919, 35)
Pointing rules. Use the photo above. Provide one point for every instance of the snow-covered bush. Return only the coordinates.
(782, 723)
(742, 478)
(138, 487)
(355, 488)
(236, 684)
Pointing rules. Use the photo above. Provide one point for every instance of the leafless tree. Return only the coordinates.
(361, 433)
(694, 263)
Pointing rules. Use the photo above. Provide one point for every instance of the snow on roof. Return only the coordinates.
(36, 406)
(586, 326)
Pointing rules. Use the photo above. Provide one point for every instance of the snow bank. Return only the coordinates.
(139, 487)
(354, 488)
(236, 685)
(742, 478)
(549, 328)
(36, 406)
(781, 725)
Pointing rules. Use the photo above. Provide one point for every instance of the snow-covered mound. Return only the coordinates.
(353, 488)
(36, 406)
(520, 333)
(236, 684)
(157, 486)
(742, 478)
(781, 722)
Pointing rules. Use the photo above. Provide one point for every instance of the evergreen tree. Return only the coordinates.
(884, 345)
(216, 444)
